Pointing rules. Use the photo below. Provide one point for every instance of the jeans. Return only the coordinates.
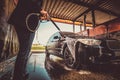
(25, 42)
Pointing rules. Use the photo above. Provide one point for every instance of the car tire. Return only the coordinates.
(68, 58)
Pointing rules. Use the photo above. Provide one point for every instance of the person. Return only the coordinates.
(25, 37)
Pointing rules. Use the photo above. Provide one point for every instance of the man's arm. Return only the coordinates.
(44, 16)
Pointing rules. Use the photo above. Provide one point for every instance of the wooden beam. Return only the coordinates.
(80, 27)
(93, 18)
(70, 22)
(90, 7)
(73, 26)
(96, 7)
(84, 22)
(82, 14)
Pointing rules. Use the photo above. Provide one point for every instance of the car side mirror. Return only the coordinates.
(61, 39)
(56, 37)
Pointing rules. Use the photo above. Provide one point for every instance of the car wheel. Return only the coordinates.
(68, 58)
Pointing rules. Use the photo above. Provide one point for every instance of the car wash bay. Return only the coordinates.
(102, 16)
(41, 67)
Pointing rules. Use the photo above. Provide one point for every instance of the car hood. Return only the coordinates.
(86, 41)
(71, 42)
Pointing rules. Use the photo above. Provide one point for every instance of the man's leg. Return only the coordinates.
(25, 41)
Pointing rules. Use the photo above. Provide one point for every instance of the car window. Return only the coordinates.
(56, 35)
(52, 37)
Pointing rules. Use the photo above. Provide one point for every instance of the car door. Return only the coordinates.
(55, 44)
(52, 43)
(49, 45)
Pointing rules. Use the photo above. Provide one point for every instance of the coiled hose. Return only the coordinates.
(38, 24)
(27, 23)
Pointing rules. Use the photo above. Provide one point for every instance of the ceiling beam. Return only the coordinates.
(98, 2)
(82, 14)
(108, 12)
(96, 7)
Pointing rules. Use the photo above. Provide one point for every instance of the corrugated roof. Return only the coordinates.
(105, 10)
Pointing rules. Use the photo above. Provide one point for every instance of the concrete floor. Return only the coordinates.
(41, 67)
(36, 67)
(58, 71)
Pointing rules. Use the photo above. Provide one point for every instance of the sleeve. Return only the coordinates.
(40, 3)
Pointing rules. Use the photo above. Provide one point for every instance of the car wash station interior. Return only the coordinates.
(92, 53)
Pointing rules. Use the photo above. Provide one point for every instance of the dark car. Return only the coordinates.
(77, 50)
(56, 42)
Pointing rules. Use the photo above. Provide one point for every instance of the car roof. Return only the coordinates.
(66, 33)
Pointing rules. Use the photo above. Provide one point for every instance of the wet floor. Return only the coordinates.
(35, 67)
(58, 71)
(41, 67)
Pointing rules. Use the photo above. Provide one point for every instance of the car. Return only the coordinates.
(78, 50)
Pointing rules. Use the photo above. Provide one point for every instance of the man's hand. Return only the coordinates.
(15, 2)
(44, 16)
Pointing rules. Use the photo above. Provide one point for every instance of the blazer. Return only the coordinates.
(23, 8)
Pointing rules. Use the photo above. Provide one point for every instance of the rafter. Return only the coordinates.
(95, 7)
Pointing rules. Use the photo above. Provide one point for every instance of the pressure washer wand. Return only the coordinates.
(54, 23)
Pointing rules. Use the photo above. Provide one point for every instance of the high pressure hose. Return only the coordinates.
(36, 27)
(27, 18)
(54, 24)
